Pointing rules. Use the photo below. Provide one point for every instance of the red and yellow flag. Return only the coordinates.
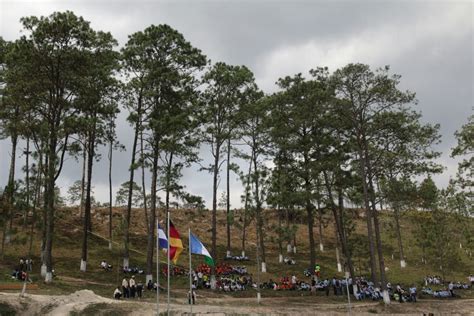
(176, 245)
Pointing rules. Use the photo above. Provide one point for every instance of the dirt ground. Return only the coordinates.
(85, 302)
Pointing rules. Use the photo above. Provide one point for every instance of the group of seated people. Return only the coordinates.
(233, 283)
(447, 291)
(435, 279)
(174, 271)
(289, 261)
(237, 258)
(132, 270)
(436, 293)
(226, 269)
(286, 283)
(19, 275)
(104, 265)
(229, 278)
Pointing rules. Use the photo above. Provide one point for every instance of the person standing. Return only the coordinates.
(400, 292)
(132, 286)
(125, 288)
(451, 288)
(192, 297)
(139, 289)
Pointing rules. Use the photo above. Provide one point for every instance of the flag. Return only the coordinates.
(162, 240)
(176, 245)
(198, 248)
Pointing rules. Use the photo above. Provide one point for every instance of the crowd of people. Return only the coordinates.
(231, 278)
(433, 280)
(447, 291)
(130, 289)
(21, 272)
(132, 270)
(236, 258)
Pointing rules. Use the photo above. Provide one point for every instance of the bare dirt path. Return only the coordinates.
(83, 301)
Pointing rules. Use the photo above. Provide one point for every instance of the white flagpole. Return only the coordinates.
(168, 302)
(190, 275)
(157, 269)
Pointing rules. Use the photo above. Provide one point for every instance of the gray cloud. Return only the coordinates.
(429, 43)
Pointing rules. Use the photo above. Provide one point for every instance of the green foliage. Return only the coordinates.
(121, 196)
(428, 194)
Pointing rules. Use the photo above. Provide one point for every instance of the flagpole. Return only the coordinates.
(157, 269)
(190, 275)
(169, 242)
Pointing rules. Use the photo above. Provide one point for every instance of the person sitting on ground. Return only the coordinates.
(413, 293)
(149, 285)
(399, 292)
(104, 265)
(117, 293)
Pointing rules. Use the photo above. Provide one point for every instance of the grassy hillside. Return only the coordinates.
(68, 240)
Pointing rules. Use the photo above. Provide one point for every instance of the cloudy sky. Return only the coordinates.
(429, 43)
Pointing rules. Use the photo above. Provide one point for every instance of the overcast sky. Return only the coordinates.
(429, 43)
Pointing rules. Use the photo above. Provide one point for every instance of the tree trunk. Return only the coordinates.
(228, 199)
(369, 215)
(87, 206)
(110, 193)
(258, 209)
(142, 155)
(151, 223)
(49, 201)
(309, 211)
(38, 181)
(320, 219)
(7, 226)
(247, 192)
(343, 240)
(280, 241)
(399, 236)
(371, 196)
(27, 182)
(214, 204)
(338, 218)
(128, 211)
(83, 180)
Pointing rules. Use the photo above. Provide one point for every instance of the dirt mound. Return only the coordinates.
(58, 305)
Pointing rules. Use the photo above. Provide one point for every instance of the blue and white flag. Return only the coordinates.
(162, 240)
(198, 248)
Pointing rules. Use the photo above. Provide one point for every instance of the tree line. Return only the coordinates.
(323, 140)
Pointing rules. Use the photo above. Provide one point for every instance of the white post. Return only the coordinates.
(280, 258)
(83, 267)
(321, 247)
(403, 263)
(348, 296)
(190, 276)
(168, 254)
(43, 270)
